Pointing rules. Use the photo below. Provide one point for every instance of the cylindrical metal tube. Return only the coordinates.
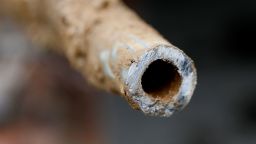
(114, 49)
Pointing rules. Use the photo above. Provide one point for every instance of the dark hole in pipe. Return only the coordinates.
(161, 79)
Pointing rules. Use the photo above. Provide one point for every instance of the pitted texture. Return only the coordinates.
(109, 44)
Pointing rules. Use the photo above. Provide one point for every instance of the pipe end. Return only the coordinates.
(162, 81)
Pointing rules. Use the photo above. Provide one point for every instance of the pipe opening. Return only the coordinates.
(161, 79)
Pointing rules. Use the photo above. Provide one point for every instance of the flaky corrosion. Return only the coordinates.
(113, 48)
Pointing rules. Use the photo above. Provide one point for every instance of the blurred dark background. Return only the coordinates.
(218, 35)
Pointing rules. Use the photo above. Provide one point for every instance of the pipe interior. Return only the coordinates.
(161, 79)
